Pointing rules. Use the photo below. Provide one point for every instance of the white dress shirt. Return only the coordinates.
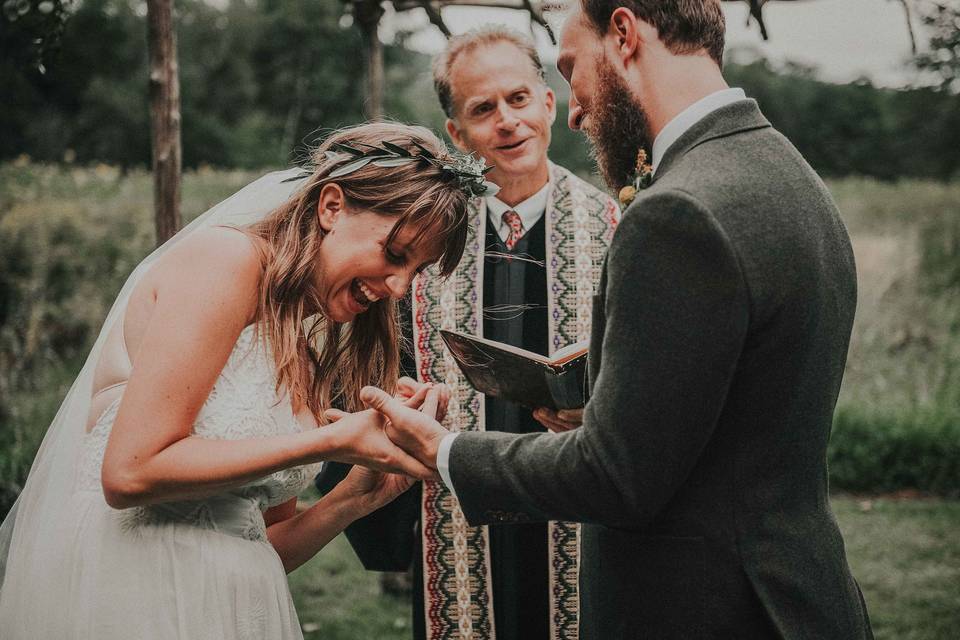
(689, 117)
(679, 125)
(530, 211)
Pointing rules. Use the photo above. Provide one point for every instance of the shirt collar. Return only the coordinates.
(530, 210)
(689, 117)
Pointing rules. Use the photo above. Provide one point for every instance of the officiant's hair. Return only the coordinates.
(684, 26)
(320, 362)
(471, 40)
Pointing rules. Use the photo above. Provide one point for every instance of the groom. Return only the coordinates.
(718, 346)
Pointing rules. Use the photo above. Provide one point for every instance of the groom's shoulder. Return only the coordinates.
(752, 169)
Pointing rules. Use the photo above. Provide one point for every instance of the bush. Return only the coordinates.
(915, 449)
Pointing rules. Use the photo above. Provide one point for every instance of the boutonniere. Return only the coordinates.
(641, 179)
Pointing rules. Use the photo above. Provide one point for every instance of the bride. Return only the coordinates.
(162, 503)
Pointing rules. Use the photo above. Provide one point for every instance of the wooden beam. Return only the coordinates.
(164, 118)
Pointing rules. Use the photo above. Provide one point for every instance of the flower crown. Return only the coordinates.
(467, 169)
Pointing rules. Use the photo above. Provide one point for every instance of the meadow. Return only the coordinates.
(70, 235)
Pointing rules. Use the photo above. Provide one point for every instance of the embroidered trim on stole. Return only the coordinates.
(458, 600)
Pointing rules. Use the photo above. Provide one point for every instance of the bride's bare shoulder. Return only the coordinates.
(218, 262)
(223, 250)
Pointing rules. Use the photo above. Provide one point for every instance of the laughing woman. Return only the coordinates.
(162, 502)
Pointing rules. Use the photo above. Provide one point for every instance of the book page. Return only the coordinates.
(569, 352)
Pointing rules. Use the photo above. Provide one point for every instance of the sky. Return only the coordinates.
(843, 39)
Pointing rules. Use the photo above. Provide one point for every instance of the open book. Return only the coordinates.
(521, 376)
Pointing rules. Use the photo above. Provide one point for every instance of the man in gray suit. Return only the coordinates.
(719, 340)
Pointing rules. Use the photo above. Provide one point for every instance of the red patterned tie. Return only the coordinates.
(512, 219)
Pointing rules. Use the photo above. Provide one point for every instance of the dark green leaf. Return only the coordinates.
(426, 153)
(397, 149)
(350, 168)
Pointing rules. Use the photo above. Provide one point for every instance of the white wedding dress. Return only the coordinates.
(189, 570)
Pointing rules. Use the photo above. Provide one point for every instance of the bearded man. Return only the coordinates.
(527, 279)
(719, 340)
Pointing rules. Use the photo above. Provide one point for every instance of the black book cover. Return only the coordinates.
(521, 376)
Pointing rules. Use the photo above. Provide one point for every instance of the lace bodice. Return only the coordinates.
(242, 404)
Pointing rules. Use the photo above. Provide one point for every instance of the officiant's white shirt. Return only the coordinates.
(670, 134)
(530, 211)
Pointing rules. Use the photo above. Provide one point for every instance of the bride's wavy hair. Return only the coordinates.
(319, 362)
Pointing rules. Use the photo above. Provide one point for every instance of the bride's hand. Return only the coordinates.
(373, 489)
(360, 439)
(409, 391)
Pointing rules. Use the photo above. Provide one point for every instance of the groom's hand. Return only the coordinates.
(413, 430)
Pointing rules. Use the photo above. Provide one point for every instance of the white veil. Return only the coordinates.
(40, 517)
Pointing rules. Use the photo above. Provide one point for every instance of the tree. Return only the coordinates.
(164, 117)
(942, 59)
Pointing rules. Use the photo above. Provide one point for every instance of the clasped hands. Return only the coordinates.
(397, 434)
(402, 433)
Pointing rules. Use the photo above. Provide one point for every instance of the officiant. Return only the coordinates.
(527, 278)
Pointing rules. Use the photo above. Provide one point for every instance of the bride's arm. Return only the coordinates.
(203, 294)
(297, 537)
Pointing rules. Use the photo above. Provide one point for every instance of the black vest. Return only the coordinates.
(518, 553)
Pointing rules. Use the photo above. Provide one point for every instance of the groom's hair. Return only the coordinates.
(684, 26)
(475, 38)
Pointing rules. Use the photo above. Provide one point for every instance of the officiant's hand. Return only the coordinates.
(413, 430)
(559, 421)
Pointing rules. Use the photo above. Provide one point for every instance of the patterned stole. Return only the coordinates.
(458, 599)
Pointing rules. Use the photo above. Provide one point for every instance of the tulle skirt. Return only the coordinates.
(109, 579)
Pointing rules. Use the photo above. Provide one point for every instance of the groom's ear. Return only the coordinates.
(330, 205)
(627, 33)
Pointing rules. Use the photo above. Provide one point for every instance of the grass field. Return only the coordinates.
(904, 553)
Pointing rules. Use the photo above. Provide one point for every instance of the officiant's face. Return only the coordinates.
(502, 110)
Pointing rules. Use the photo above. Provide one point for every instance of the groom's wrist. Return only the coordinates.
(443, 459)
(430, 447)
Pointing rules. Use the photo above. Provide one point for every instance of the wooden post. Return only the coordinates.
(164, 117)
(367, 13)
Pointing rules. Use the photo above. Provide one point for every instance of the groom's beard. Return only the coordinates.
(618, 127)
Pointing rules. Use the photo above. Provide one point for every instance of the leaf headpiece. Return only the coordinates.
(468, 170)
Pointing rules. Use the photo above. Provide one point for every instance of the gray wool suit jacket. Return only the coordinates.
(720, 334)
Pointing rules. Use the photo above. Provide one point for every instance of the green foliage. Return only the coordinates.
(30, 30)
(857, 129)
(257, 80)
(895, 450)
